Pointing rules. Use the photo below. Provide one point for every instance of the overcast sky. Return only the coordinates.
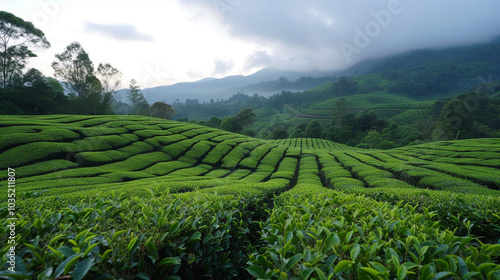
(160, 42)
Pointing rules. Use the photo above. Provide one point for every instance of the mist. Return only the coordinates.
(329, 35)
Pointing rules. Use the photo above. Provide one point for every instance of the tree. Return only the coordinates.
(314, 129)
(93, 98)
(230, 124)
(74, 67)
(110, 79)
(455, 121)
(162, 110)
(214, 122)
(33, 94)
(298, 133)
(345, 86)
(339, 111)
(245, 117)
(140, 105)
(17, 39)
(279, 133)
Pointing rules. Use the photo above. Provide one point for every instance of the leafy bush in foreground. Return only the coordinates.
(204, 236)
(315, 233)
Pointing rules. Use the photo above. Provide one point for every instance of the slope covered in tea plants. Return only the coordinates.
(146, 198)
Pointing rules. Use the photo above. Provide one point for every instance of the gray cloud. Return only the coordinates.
(332, 34)
(222, 66)
(258, 59)
(121, 31)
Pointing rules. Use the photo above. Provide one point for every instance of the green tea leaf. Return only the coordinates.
(169, 261)
(89, 249)
(45, 275)
(132, 245)
(256, 271)
(370, 270)
(442, 275)
(195, 237)
(402, 272)
(320, 273)
(152, 251)
(191, 258)
(116, 234)
(343, 265)
(55, 238)
(14, 275)
(143, 276)
(105, 257)
(462, 267)
(82, 268)
(72, 262)
(60, 268)
(293, 261)
(355, 252)
(304, 275)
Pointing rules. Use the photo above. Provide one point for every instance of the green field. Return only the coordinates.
(132, 197)
(393, 107)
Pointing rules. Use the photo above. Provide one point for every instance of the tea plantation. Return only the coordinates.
(132, 197)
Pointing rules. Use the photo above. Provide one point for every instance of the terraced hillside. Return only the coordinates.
(146, 197)
(396, 108)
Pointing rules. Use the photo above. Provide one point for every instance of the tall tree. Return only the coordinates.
(74, 67)
(110, 79)
(140, 105)
(455, 121)
(339, 111)
(18, 38)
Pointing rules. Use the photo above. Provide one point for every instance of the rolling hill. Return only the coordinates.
(264, 82)
(146, 197)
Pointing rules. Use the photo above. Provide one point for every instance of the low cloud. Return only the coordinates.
(327, 34)
(121, 31)
(222, 66)
(258, 59)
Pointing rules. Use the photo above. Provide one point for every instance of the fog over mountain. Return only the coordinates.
(264, 82)
(332, 35)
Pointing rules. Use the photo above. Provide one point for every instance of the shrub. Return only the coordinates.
(34, 152)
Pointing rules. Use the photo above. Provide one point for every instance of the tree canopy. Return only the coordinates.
(140, 105)
(18, 39)
(74, 67)
(162, 110)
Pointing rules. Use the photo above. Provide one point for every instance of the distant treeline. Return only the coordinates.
(428, 72)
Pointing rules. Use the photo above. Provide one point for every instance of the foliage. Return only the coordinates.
(135, 197)
(316, 233)
(162, 110)
(110, 79)
(139, 104)
(314, 129)
(245, 117)
(427, 72)
(74, 67)
(17, 40)
(230, 124)
(344, 86)
(90, 95)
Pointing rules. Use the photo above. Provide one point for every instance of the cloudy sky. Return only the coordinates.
(162, 42)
